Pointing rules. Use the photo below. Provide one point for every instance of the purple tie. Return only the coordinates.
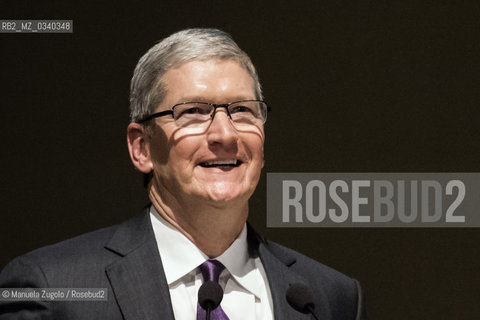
(211, 270)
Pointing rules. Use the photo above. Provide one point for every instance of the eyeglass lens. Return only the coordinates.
(243, 113)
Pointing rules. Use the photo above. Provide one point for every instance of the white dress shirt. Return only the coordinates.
(246, 290)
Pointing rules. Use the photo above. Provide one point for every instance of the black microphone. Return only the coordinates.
(210, 295)
(300, 298)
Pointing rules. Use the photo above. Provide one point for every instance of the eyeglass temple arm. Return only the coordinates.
(156, 115)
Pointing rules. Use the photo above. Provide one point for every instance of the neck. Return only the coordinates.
(212, 228)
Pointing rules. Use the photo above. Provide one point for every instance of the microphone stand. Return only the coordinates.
(310, 309)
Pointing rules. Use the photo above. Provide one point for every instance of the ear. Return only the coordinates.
(139, 148)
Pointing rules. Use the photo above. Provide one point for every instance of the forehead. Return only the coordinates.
(213, 80)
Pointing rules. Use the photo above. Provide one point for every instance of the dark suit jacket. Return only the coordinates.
(125, 259)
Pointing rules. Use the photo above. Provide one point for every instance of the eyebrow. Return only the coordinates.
(202, 99)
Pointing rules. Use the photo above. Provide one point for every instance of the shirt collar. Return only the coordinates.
(241, 266)
(180, 256)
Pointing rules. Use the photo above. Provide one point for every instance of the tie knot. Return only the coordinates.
(211, 270)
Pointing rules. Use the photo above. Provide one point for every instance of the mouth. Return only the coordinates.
(221, 164)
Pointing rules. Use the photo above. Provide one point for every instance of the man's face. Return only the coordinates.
(197, 166)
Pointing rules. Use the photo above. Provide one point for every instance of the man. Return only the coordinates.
(197, 132)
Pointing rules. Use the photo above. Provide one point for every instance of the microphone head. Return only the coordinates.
(300, 297)
(210, 295)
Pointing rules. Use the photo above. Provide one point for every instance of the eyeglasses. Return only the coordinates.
(243, 113)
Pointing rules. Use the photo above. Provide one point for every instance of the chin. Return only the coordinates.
(225, 193)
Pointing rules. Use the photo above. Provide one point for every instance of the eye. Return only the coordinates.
(240, 109)
(192, 110)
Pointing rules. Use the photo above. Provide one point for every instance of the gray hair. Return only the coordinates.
(147, 89)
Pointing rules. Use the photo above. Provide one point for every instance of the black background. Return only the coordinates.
(355, 87)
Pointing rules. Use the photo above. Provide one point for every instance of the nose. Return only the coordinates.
(221, 131)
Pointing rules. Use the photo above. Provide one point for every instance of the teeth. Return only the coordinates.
(221, 162)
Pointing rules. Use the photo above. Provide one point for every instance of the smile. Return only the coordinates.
(221, 163)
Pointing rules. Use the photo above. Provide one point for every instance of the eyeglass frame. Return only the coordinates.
(215, 107)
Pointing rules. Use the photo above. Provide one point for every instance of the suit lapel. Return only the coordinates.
(137, 277)
(280, 278)
(278, 267)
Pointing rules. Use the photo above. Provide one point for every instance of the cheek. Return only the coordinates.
(185, 149)
(172, 148)
(256, 146)
(181, 158)
(174, 166)
(158, 147)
